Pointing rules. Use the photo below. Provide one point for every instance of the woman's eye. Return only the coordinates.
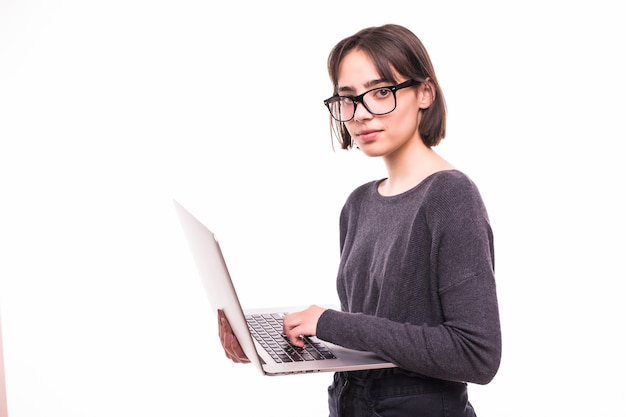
(345, 100)
(383, 92)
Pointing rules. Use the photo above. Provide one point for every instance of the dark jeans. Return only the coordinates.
(396, 393)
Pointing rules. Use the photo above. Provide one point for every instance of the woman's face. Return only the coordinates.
(385, 134)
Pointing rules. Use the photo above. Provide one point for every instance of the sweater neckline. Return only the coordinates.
(417, 186)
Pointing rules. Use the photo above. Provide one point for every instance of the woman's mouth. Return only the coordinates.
(367, 135)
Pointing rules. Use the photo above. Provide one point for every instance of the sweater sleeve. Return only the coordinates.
(466, 344)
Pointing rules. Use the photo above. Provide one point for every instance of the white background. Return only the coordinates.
(110, 109)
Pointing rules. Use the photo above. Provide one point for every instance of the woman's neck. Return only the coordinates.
(407, 169)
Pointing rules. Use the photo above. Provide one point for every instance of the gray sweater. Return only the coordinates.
(416, 280)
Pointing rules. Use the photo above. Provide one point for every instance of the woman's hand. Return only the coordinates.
(231, 345)
(302, 323)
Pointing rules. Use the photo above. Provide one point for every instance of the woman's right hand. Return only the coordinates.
(231, 345)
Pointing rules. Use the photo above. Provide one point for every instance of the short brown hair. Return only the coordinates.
(393, 48)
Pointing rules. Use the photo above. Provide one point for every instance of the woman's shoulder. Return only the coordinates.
(451, 180)
(449, 175)
(453, 191)
(364, 190)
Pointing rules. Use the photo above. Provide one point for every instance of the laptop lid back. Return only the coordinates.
(216, 279)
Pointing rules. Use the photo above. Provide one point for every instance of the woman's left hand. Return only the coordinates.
(302, 323)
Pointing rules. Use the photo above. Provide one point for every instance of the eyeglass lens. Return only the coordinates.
(378, 101)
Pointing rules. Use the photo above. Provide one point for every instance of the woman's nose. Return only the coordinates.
(361, 112)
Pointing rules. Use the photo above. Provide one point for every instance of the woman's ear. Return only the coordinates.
(427, 94)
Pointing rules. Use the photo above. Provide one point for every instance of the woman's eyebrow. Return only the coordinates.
(367, 85)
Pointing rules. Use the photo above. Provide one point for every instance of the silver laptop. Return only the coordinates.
(270, 353)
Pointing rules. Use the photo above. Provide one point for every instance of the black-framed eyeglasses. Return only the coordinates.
(377, 101)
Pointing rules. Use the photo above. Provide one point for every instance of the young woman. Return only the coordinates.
(416, 274)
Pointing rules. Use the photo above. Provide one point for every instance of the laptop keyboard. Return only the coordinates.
(267, 329)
